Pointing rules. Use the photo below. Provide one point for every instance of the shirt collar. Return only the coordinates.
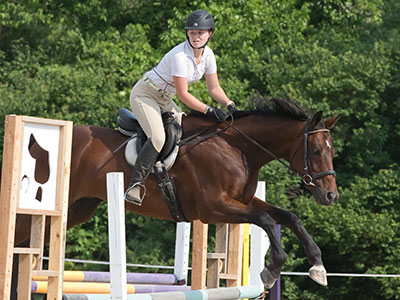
(189, 51)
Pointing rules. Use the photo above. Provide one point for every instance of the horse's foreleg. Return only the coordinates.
(236, 212)
(291, 221)
(82, 211)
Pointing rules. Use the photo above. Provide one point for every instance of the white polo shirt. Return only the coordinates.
(180, 62)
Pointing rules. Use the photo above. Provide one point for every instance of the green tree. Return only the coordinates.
(77, 60)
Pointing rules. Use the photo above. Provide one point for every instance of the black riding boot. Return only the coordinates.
(143, 166)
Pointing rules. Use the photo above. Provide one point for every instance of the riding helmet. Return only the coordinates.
(200, 19)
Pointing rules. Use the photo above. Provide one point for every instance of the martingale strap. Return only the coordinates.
(168, 191)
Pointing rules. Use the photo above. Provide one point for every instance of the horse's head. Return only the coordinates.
(313, 159)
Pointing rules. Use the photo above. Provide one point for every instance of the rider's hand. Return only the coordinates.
(231, 107)
(215, 114)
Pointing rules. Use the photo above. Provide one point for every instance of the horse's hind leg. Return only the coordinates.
(236, 212)
(278, 256)
(291, 221)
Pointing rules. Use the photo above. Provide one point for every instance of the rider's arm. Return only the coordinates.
(215, 89)
(181, 86)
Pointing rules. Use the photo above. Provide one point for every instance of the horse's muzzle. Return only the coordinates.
(326, 198)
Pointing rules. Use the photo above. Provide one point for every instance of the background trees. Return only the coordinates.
(77, 60)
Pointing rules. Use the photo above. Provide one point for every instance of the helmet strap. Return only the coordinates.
(202, 47)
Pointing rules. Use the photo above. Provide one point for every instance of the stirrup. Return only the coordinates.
(135, 200)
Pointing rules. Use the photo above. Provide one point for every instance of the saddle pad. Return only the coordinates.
(131, 154)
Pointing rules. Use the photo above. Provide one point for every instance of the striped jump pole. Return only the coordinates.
(230, 293)
(98, 276)
(41, 287)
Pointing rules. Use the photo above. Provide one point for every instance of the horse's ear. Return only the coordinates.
(316, 119)
(330, 123)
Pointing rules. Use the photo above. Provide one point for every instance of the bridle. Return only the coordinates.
(308, 177)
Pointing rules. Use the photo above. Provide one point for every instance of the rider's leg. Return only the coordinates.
(148, 113)
(143, 166)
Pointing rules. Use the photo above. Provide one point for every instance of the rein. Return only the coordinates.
(307, 177)
(191, 139)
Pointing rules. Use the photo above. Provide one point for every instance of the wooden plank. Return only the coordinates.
(199, 255)
(235, 251)
(228, 276)
(37, 238)
(44, 121)
(58, 224)
(213, 271)
(18, 250)
(12, 148)
(221, 242)
(39, 212)
(24, 276)
(216, 255)
(44, 273)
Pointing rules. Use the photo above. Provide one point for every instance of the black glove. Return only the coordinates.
(215, 114)
(231, 108)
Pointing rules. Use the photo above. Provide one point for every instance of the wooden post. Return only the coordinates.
(116, 235)
(259, 244)
(9, 200)
(182, 246)
(199, 255)
(235, 251)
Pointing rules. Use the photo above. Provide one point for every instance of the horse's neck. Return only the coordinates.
(277, 135)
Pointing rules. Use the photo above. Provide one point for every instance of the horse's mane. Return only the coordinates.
(272, 106)
(276, 106)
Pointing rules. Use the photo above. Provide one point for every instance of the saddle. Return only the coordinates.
(128, 125)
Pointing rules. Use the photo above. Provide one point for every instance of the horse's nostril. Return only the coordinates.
(331, 196)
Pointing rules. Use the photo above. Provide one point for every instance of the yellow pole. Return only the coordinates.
(246, 255)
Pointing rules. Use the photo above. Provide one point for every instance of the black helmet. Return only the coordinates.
(200, 19)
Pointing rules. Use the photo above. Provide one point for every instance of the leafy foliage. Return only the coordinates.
(77, 60)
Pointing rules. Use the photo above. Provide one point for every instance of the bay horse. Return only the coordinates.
(216, 178)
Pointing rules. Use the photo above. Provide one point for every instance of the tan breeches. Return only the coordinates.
(148, 104)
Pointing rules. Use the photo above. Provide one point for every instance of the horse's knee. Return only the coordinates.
(263, 220)
(280, 258)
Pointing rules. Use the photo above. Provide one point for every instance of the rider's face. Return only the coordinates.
(198, 38)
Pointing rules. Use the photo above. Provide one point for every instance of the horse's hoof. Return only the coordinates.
(318, 274)
(268, 278)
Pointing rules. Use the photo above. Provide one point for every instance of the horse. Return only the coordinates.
(216, 176)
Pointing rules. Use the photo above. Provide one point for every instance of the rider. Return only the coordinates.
(152, 95)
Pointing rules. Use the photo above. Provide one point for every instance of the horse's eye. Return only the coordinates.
(316, 151)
